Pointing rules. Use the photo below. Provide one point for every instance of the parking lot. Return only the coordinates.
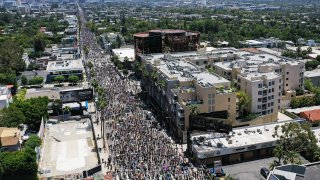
(68, 149)
(251, 170)
(248, 170)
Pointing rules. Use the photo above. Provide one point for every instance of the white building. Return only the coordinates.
(123, 53)
(5, 96)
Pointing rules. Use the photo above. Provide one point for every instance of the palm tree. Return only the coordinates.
(162, 84)
(244, 102)
(154, 75)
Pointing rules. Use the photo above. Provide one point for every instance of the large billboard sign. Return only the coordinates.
(76, 95)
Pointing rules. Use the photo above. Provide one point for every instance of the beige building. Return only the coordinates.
(264, 90)
(181, 88)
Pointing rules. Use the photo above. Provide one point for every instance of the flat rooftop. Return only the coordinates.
(314, 73)
(124, 52)
(68, 148)
(240, 140)
(65, 65)
(182, 70)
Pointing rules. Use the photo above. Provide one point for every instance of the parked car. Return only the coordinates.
(264, 172)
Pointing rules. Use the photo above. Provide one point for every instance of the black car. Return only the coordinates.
(264, 172)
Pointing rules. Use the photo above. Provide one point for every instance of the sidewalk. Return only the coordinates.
(104, 153)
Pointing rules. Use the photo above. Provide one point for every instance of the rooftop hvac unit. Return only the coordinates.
(219, 145)
(230, 142)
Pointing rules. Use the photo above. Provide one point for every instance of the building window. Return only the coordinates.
(271, 103)
(279, 80)
(287, 72)
(273, 82)
(228, 99)
(278, 100)
(272, 89)
(264, 112)
(272, 97)
(286, 84)
(209, 96)
(209, 101)
(287, 79)
(259, 106)
(259, 92)
(259, 99)
(259, 85)
(269, 83)
(271, 110)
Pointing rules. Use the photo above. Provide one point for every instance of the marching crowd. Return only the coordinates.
(137, 148)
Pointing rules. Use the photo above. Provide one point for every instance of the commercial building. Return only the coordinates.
(181, 88)
(5, 96)
(262, 42)
(124, 53)
(64, 68)
(242, 144)
(169, 40)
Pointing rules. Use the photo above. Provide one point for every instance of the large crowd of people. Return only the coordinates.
(137, 148)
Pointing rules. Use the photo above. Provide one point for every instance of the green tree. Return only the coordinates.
(11, 57)
(24, 80)
(294, 138)
(311, 65)
(33, 141)
(244, 102)
(36, 80)
(19, 163)
(11, 116)
(308, 85)
(73, 79)
(86, 50)
(59, 79)
(34, 109)
(39, 43)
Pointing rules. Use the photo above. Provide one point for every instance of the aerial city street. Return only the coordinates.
(159, 90)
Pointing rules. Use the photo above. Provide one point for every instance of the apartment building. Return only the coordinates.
(184, 90)
(264, 90)
(253, 74)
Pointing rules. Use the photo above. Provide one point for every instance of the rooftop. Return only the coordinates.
(124, 52)
(240, 139)
(296, 172)
(312, 115)
(64, 65)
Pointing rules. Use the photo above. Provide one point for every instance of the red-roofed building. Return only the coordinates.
(311, 116)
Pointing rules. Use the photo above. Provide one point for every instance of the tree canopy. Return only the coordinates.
(293, 139)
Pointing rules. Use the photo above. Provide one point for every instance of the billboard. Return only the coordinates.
(76, 95)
